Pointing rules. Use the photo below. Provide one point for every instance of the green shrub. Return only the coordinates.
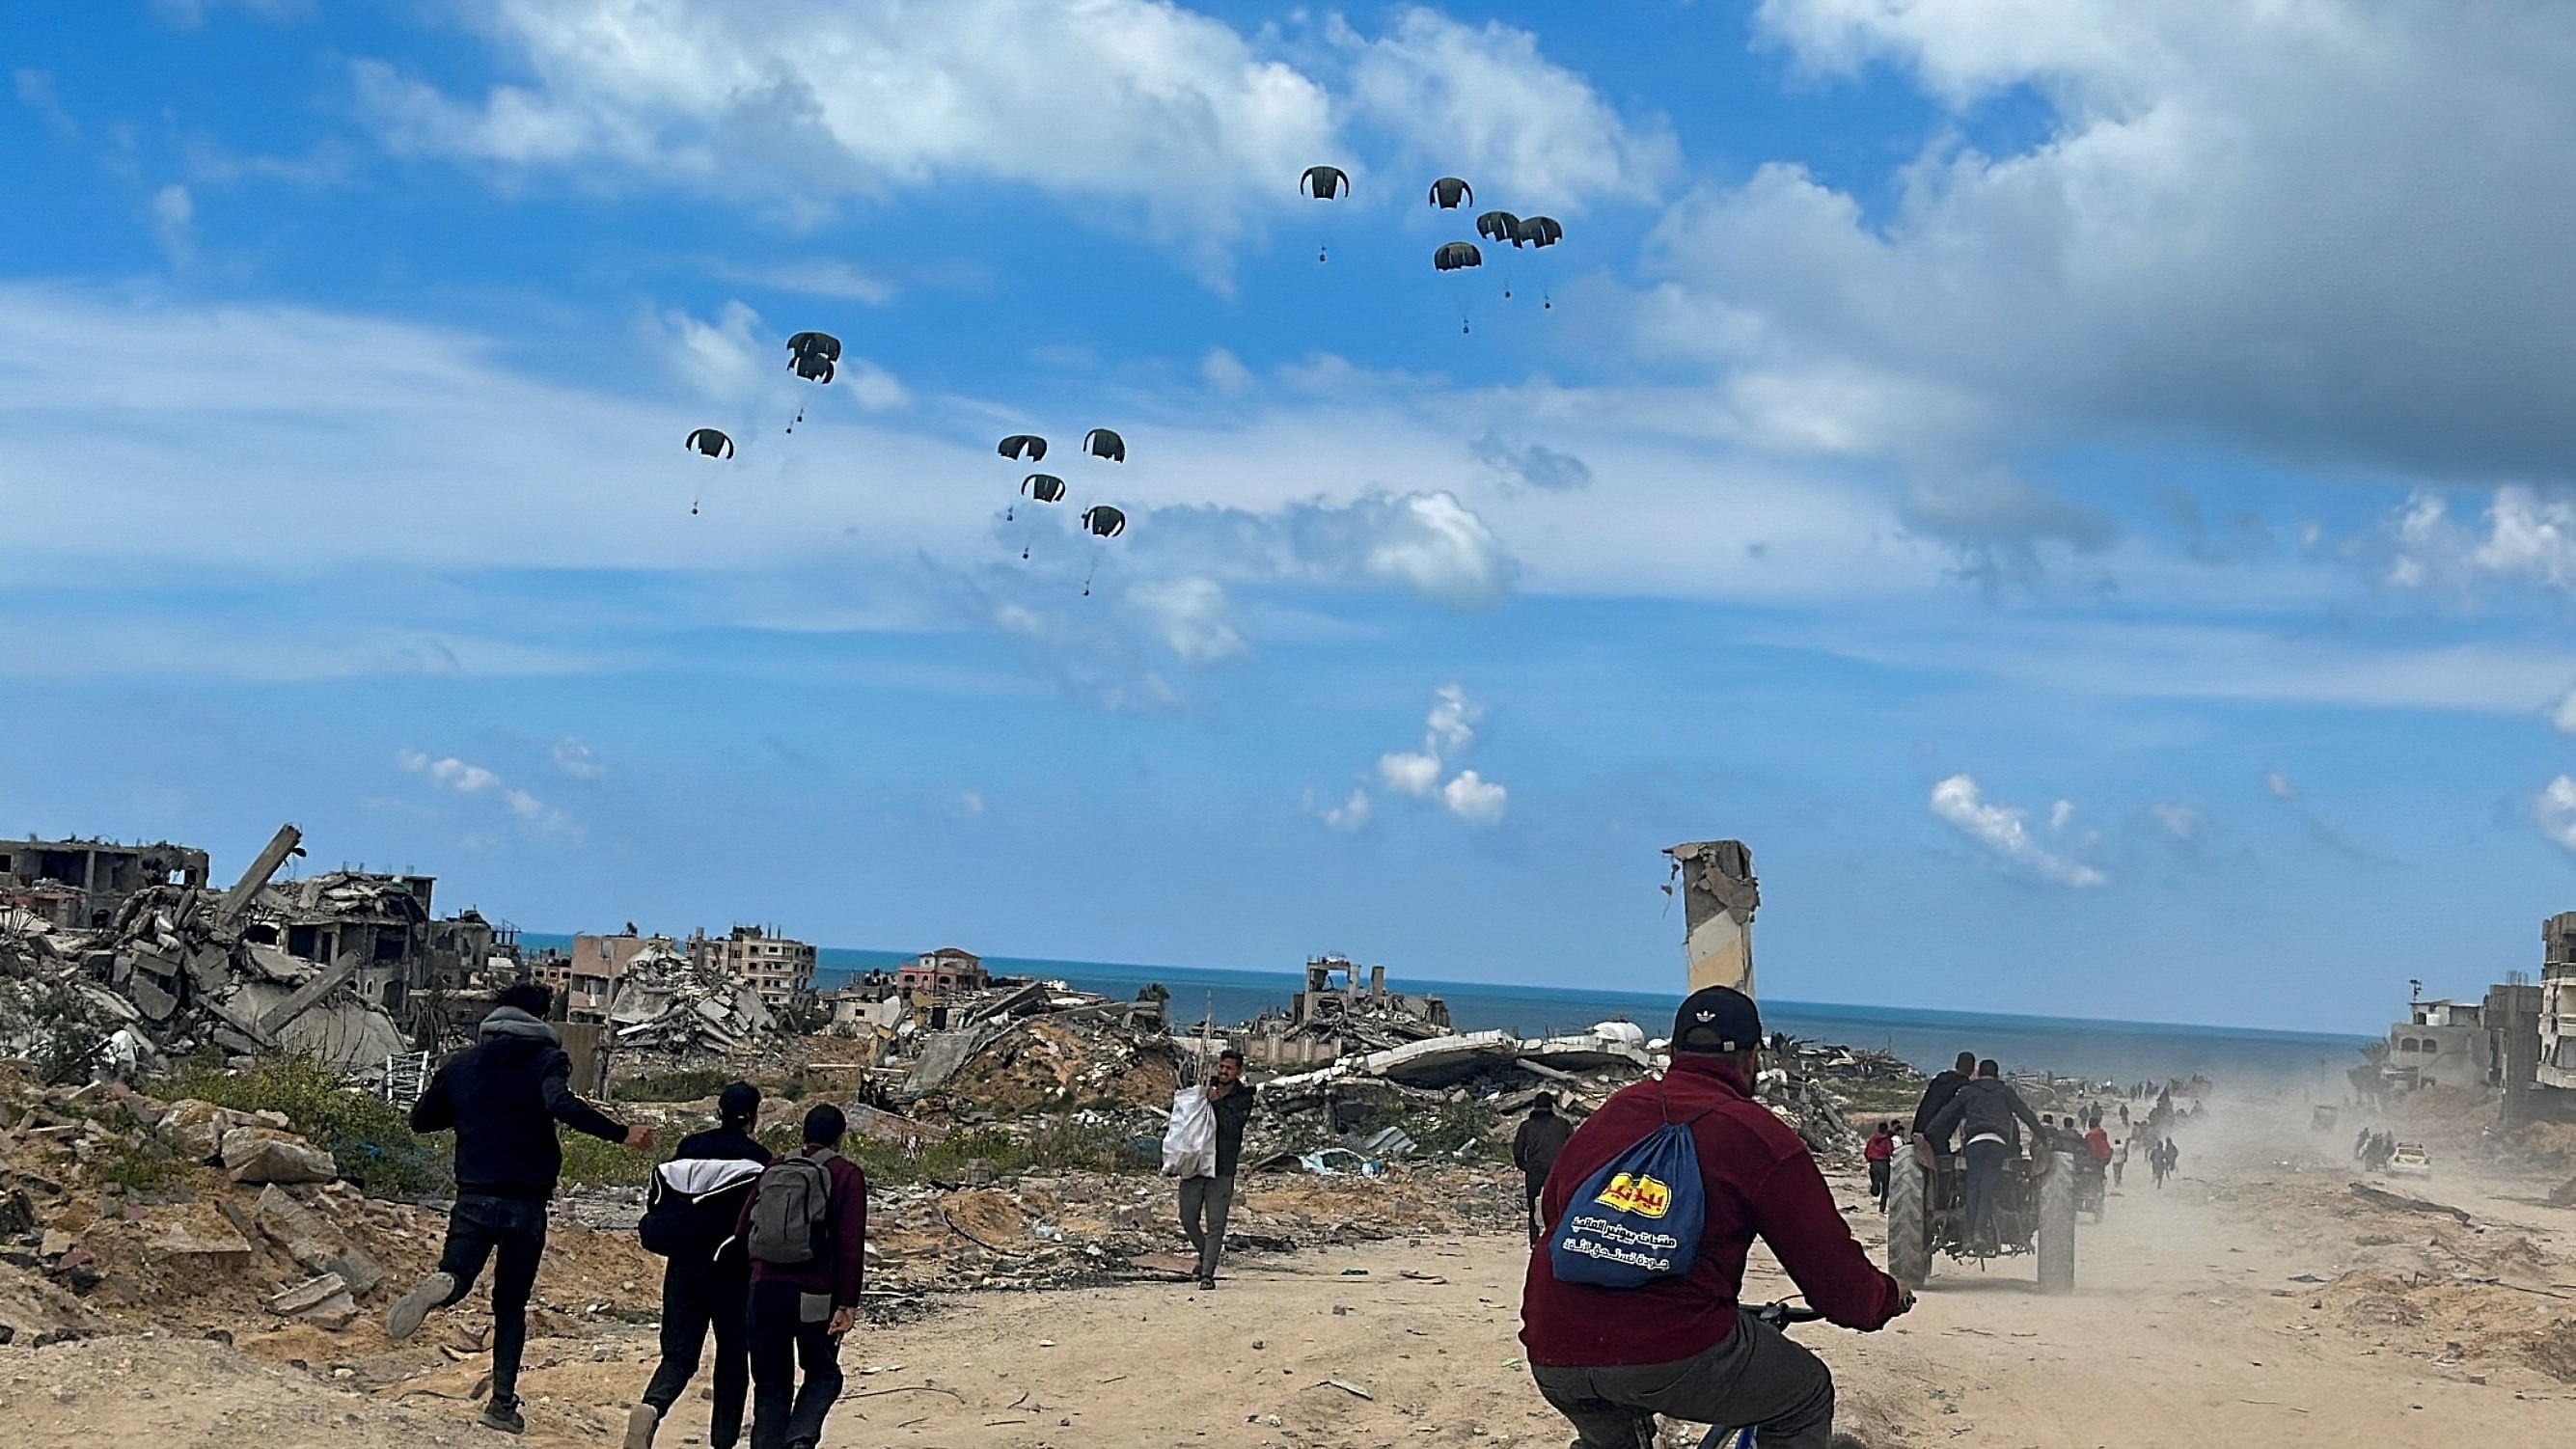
(369, 1136)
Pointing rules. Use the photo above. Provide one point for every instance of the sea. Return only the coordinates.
(2115, 1051)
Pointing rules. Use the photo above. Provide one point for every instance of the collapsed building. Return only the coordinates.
(682, 1007)
(1327, 1021)
(82, 884)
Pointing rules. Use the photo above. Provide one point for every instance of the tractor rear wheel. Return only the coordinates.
(2057, 1226)
(1909, 1221)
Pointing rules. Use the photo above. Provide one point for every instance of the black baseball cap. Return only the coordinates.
(1717, 1020)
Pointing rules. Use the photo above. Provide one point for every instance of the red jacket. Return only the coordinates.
(2100, 1142)
(1880, 1148)
(1759, 1179)
(844, 1261)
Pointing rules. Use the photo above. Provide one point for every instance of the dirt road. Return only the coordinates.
(2191, 1324)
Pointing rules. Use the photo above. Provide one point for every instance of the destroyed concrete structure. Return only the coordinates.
(584, 981)
(1329, 1019)
(781, 970)
(82, 884)
(180, 967)
(670, 1005)
(1719, 895)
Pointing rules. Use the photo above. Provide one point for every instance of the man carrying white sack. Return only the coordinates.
(1207, 1178)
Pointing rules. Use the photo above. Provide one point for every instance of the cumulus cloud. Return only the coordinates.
(1531, 465)
(2215, 226)
(1448, 730)
(578, 760)
(2520, 536)
(2563, 718)
(1407, 772)
(447, 772)
(1430, 544)
(1481, 101)
(1474, 800)
(1349, 816)
(1189, 616)
(2554, 808)
(2003, 831)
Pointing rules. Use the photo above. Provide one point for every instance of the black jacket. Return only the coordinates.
(1988, 1104)
(1535, 1146)
(502, 1098)
(1936, 1095)
(1232, 1111)
(723, 1144)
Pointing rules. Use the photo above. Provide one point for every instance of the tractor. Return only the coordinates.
(2035, 1205)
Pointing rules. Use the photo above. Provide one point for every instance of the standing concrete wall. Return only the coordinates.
(1719, 895)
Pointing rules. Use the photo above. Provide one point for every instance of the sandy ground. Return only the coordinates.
(2190, 1325)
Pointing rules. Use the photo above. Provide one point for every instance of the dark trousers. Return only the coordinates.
(1878, 1173)
(1756, 1379)
(782, 1411)
(1985, 1171)
(696, 1297)
(512, 1235)
(1531, 1187)
(1205, 1201)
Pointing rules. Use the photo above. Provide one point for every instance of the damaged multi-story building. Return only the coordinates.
(1335, 1016)
(81, 884)
(779, 969)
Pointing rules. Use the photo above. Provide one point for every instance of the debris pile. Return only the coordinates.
(669, 1007)
(179, 969)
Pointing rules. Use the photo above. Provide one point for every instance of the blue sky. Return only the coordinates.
(2081, 489)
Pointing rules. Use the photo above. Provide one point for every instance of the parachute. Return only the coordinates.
(811, 366)
(1102, 443)
(1498, 226)
(1023, 445)
(1324, 183)
(1100, 521)
(711, 443)
(1448, 191)
(821, 344)
(1458, 257)
(1539, 231)
(1044, 487)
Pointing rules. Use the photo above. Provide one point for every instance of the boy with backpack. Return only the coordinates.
(1631, 1307)
(805, 1227)
(689, 1216)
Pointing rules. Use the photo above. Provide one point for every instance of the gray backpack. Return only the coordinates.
(791, 1211)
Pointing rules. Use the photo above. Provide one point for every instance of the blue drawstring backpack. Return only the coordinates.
(1638, 1219)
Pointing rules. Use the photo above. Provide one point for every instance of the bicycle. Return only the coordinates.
(1777, 1315)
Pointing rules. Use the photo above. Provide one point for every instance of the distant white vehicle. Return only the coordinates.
(2409, 1159)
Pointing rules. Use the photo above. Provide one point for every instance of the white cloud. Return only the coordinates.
(814, 277)
(174, 224)
(1349, 816)
(578, 760)
(1451, 726)
(2002, 830)
(1225, 372)
(450, 773)
(2278, 786)
(2214, 226)
(2183, 822)
(2554, 809)
(1474, 800)
(36, 92)
(1189, 616)
(2061, 815)
(2521, 536)
(1481, 102)
(1408, 773)
(2563, 718)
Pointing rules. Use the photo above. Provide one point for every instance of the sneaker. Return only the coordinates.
(412, 1307)
(503, 1414)
(1206, 1284)
(641, 1421)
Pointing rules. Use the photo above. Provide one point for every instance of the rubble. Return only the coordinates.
(673, 1008)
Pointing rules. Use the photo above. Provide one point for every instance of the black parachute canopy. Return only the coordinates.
(1324, 182)
(711, 442)
(1498, 226)
(812, 366)
(821, 344)
(1102, 443)
(1023, 445)
(1044, 487)
(1456, 255)
(1538, 231)
(1448, 191)
(1104, 520)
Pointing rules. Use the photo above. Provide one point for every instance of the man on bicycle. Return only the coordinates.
(1610, 1359)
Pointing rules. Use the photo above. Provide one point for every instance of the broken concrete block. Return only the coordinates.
(332, 1314)
(265, 1154)
(198, 1246)
(309, 1294)
(296, 1228)
(155, 1003)
(199, 1127)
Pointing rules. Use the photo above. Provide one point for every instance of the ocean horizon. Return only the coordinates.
(1927, 1038)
